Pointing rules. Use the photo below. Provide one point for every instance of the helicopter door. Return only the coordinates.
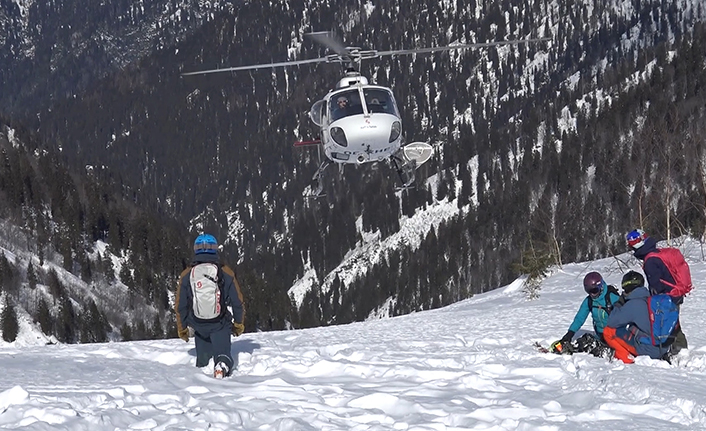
(317, 113)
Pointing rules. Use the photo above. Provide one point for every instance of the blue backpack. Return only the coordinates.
(664, 318)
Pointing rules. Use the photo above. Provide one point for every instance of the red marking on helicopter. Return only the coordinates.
(307, 143)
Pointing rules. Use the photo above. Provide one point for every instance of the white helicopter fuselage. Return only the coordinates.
(359, 124)
(367, 138)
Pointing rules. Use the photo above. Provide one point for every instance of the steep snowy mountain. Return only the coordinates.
(77, 258)
(547, 150)
(69, 46)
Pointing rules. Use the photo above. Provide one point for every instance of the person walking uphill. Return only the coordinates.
(598, 304)
(205, 291)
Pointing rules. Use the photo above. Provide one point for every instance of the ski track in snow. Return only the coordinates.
(470, 365)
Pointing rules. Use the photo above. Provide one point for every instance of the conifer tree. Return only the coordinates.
(55, 287)
(95, 326)
(108, 268)
(31, 276)
(139, 331)
(7, 275)
(126, 332)
(157, 330)
(66, 324)
(10, 326)
(43, 317)
(171, 331)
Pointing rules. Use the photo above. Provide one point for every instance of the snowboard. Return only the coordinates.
(541, 348)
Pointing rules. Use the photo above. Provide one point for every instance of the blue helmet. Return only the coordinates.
(205, 243)
(636, 238)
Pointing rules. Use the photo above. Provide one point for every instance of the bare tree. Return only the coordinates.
(662, 140)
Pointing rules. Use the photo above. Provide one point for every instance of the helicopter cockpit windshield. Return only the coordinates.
(345, 104)
(379, 100)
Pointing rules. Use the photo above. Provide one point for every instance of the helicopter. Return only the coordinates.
(360, 122)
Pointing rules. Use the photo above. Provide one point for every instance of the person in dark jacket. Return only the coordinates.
(655, 271)
(631, 321)
(598, 304)
(211, 336)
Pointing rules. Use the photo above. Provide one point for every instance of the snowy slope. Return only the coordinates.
(467, 366)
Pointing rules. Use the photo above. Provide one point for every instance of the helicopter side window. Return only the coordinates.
(345, 104)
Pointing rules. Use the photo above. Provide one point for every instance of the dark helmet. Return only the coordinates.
(636, 238)
(593, 283)
(632, 280)
(205, 243)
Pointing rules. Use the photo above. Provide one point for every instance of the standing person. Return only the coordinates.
(666, 271)
(598, 303)
(629, 330)
(205, 291)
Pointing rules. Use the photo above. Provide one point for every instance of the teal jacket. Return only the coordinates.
(599, 312)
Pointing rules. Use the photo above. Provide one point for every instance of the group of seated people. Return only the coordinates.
(624, 323)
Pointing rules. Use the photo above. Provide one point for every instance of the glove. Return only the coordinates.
(184, 334)
(238, 328)
(568, 337)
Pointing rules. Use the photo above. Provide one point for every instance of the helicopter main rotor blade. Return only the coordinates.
(458, 46)
(326, 39)
(260, 66)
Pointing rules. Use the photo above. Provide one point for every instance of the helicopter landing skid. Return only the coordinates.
(402, 188)
(405, 170)
(314, 197)
(317, 184)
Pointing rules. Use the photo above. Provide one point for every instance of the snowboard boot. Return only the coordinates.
(220, 370)
(679, 342)
(587, 343)
(602, 351)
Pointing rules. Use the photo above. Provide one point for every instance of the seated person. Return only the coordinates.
(628, 328)
(598, 303)
(375, 106)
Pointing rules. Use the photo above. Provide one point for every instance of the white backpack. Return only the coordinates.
(205, 291)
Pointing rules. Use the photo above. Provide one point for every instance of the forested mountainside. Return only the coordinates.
(55, 50)
(558, 147)
(77, 257)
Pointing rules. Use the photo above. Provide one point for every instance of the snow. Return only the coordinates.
(470, 365)
(24, 6)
